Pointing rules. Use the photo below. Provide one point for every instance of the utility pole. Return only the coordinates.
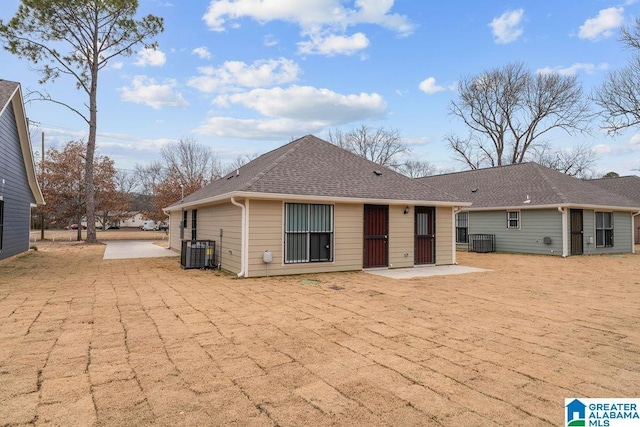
(42, 182)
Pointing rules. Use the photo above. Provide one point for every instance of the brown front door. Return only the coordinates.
(425, 235)
(376, 235)
(576, 232)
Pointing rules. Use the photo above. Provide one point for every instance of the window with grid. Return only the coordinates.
(513, 219)
(183, 224)
(462, 227)
(194, 224)
(308, 233)
(604, 229)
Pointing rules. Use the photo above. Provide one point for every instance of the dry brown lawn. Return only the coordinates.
(142, 342)
(121, 234)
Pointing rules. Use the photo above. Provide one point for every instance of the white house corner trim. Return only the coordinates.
(245, 244)
(454, 248)
(565, 231)
(633, 236)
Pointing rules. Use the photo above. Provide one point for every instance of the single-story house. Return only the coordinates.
(529, 208)
(19, 189)
(132, 220)
(627, 186)
(310, 206)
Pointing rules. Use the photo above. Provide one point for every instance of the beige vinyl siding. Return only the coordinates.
(174, 230)
(621, 232)
(227, 217)
(444, 236)
(535, 225)
(210, 220)
(401, 237)
(266, 232)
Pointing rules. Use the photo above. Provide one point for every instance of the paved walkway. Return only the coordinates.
(128, 249)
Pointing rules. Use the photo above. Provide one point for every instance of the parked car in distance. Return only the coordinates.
(163, 226)
(148, 225)
(75, 227)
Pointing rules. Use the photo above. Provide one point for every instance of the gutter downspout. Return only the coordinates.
(633, 241)
(454, 211)
(243, 232)
(565, 229)
(168, 229)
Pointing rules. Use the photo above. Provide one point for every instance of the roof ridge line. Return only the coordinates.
(553, 186)
(259, 176)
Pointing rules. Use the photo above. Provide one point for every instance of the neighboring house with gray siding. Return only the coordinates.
(310, 207)
(627, 186)
(19, 190)
(529, 208)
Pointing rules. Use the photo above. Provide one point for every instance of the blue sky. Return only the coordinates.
(246, 76)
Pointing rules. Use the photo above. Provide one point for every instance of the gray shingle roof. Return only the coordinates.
(310, 166)
(509, 186)
(7, 89)
(627, 186)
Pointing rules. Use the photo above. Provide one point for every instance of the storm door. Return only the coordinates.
(577, 232)
(376, 236)
(425, 235)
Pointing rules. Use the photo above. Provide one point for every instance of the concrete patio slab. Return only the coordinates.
(426, 271)
(128, 249)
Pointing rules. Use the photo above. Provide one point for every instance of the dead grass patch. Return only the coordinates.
(135, 342)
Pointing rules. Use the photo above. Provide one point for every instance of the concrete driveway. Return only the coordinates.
(128, 249)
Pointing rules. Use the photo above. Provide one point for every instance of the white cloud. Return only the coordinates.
(202, 52)
(603, 24)
(117, 65)
(270, 40)
(139, 144)
(625, 147)
(429, 86)
(277, 129)
(574, 69)
(145, 90)
(318, 19)
(309, 104)
(234, 74)
(152, 57)
(506, 28)
(297, 110)
(334, 45)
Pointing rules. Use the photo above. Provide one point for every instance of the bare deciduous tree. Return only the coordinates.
(509, 110)
(380, 145)
(189, 161)
(238, 162)
(619, 95)
(149, 176)
(417, 168)
(186, 166)
(577, 161)
(126, 181)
